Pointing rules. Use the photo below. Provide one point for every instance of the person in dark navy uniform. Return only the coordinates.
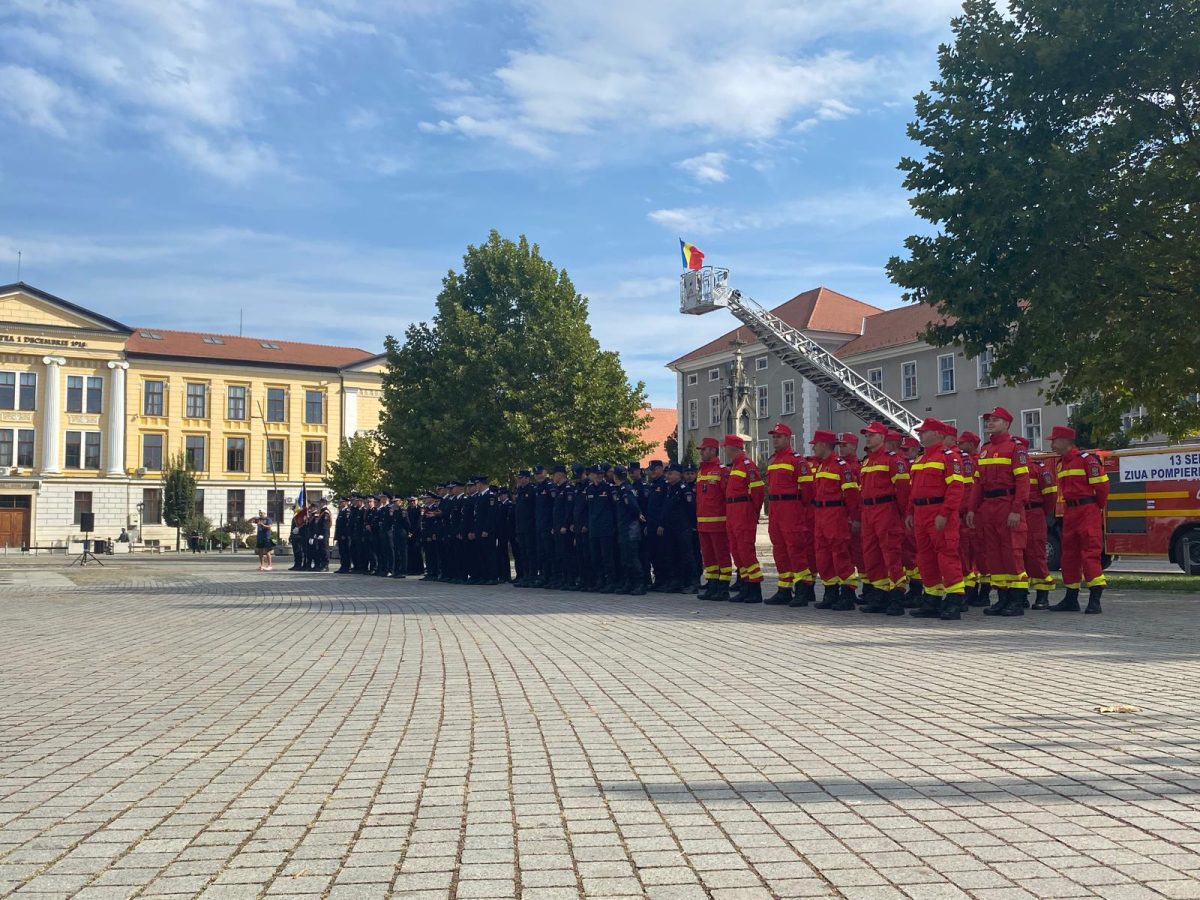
(543, 515)
(602, 531)
(629, 534)
(579, 530)
(525, 501)
(560, 525)
(342, 535)
(658, 543)
(679, 533)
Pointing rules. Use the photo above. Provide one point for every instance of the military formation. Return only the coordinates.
(929, 526)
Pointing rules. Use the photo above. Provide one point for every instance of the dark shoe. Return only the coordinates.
(1042, 600)
(846, 601)
(781, 597)
(930, 608)
(912, 599)
(1069, 602)
(981, 595)
(1093, 607)
(738, 591)
(952, 606)
(1001, 604)
(710, 588)
(753, 593)
(1019, 596)
(804, 594)
(828, 598)
(638, 590)
(721, 594)
(1015, 605)
(895, 605)
(877, 601)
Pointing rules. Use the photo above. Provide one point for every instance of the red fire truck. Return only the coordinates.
(1153, 506)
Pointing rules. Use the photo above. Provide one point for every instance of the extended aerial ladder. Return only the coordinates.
(706, 289)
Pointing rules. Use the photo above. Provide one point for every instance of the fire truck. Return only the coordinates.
(1153, 506)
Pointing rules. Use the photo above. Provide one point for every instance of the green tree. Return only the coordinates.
(356, 469)
(178, 494)
(671, 445)
(507, 374)
(1098, 425)
(1062, 148)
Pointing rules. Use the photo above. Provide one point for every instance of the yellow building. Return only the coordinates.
(91, 410)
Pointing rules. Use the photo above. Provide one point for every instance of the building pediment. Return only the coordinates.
(32, 316)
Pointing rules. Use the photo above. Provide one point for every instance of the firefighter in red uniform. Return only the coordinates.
(911, 448)
(710, 521)
(835, 516)
(883, 482)
(847, 449)
(1083, 484)
(998, 514)
(743, 502)
(788, 496)
(934, 500)
(1039, 513)
(968, 446)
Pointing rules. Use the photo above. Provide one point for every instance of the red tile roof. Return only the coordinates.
(660, 427)
(261, 351)
(817, 310)
(891, 329)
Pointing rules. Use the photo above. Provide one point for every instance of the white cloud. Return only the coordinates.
(707, 167)
(238, 161)
(32, 99)
(835, 210)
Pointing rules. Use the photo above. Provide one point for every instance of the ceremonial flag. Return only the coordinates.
(693, 256)
(301, 499)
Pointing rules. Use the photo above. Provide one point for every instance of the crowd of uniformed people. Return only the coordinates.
(928, 525)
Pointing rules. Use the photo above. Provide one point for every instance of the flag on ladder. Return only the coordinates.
(693, 256)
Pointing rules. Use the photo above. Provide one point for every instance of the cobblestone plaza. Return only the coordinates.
(195, 728)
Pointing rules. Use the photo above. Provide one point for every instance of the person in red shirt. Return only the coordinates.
(883, 483)
(934, 499)
(998, 512)
(743, 502)
(968, 446)
(710, 521)
(847, 449)
(911, 448)
(1039, 513)
(1083, 485)
(787, 496)
(835, 515)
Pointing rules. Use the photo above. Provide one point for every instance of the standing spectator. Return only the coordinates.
(264, 543)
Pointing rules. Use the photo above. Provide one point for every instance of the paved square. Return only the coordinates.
(194, 728)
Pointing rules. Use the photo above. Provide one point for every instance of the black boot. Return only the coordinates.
(997, 608)
(930, 608)
(952, 606)
(1018, 600)
(721, 592)
(753, 592)
(1042, 600)
(805, 594)
(710, 588)
(782, 597)
(847, 599)
(916, 590)
(1069, 602)
(637, 588)
(1093, 607)
(969, 596)
(981, 595)
(877, 600)
(828, 598)
(895, 606)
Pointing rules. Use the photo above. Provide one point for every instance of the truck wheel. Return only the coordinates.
(1053, 551)
(1190, 566)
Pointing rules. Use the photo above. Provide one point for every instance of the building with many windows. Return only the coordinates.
(91, 410)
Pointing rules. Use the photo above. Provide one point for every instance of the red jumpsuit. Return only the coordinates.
(1001, 488)
(1083, 484)
(835, 503)
(1043, 496)
(937, 490)
(788, 525)
(967, 539)
(743, 503)
(884, 484)
(710, 521)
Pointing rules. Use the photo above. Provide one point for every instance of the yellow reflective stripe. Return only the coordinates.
(1053, 489)
(900, 476)
(755, 484)
(1080, 472)
(950, 479)
(805, 478)
(850, 484)
(738, 472)
(1099, 479)
(710, 518)
(916, 467)
(866, 469)
(995, 461)
(831, 475)
(785, 466)
(1021, 470)
(708, 477)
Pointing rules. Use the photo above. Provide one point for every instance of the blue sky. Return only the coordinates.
(320, 164)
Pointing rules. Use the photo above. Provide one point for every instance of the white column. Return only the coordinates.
(680, 420)
(349, 412)
(52, 414)
(116, 419)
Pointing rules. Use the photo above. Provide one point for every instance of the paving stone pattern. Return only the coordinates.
(226, 734)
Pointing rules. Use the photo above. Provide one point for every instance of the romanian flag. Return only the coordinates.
(693, 256)
(301, 499)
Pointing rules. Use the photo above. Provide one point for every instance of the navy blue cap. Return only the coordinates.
(523, 473)
(604, 467)
(577, 468)
(620, 470)
(454, 484)
(674, 467)
(482, 479)
(634, 466)
(539, 469)
(656, 463)
(559, 467)
(690, 467)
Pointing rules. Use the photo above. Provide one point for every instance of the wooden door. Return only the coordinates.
(14, 527)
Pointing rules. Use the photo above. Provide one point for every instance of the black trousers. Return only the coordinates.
(298, 554)
(343, 546)
(629, 546)
(600, 548)
(564, 556)
(583, 559)
(545, 552)
(526, 557)
(320, 553)
(400, 555)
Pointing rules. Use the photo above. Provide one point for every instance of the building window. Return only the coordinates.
(764, 449)
(908, 381)
(1031, 427)
(314, 407)
(152, 452)
(1072, 412)
(91, 449)
(152, 398)
(197, 401)
(789, 397)
(235, 407)
(953, 423)
(235, 454)
(276, 405)
(235, 505)
(95, 395)
(314, 457)
(275, 455)
(792, 443)
(199, 506)
(6, 447)
(151, 506)
(74, 393)
(8, 390)
(193, 452)
(714, 374)
(946, 374)
(762, 398)
(28, 398)
(983, 367)
(275, 505)
(714, 410)
(25, 447)
(693, 418)
(760, 364)
(83, 450)
(693, 379)
(875, 378)
(83, 504)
